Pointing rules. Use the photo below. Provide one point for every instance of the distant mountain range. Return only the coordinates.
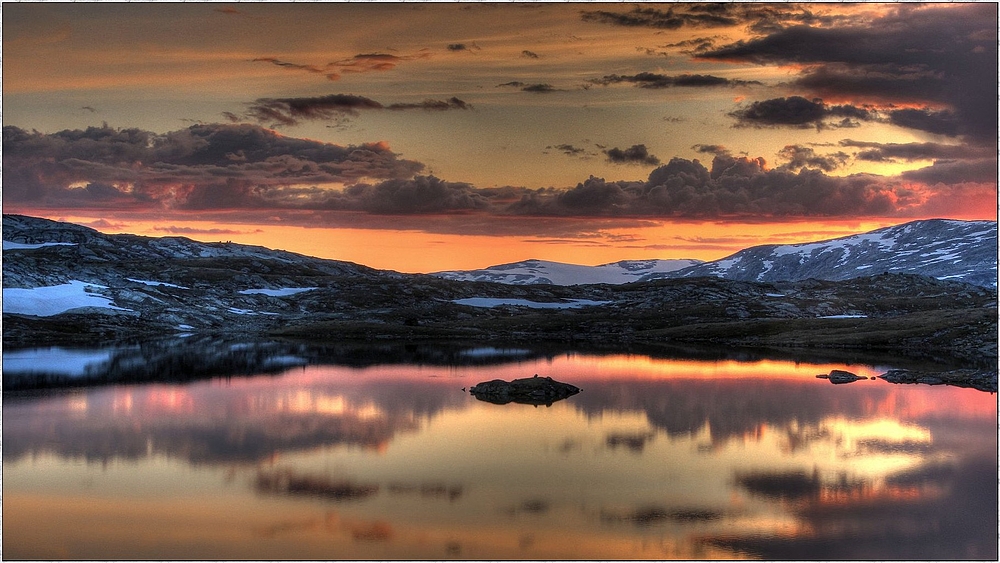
(963, 251)
(529, 272)
(65, 284)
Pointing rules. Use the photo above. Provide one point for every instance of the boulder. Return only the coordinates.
(529, 391)
(838, 376)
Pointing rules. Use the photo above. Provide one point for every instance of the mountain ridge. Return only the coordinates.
(946, 249)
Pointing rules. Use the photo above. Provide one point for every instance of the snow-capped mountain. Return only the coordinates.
(529, 272)
(963, 251)
(945, 249)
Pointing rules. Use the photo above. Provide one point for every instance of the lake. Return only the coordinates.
(655, 458)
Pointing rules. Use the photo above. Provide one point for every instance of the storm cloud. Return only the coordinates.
(940, 58)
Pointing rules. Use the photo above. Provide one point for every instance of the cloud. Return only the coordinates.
(292, 111)
(539, 88)
(982, 171)
(653, 80)
(525, 87)
(758, 18)
(636, 154)
(805, 157)
(529, 54)
(711, 149)
(218, 168)
(742, 187)
(364, 62)
(651, 17)
(940, 58)
(891, 152)
(201, 167)
(570, 150)
(193, 231)
(458, 47)
(798, 112)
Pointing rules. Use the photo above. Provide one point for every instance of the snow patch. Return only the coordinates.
(156, 283)
(282, 292)
(52, 300)
(8, 245)
(844, 317)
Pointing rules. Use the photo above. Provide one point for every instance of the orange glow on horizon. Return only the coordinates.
(424, 251)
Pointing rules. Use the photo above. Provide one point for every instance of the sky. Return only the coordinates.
(422, 137)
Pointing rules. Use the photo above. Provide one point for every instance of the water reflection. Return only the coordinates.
(654, 459)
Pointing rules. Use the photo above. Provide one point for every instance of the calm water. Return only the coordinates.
(653, 459)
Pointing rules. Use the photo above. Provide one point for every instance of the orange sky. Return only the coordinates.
(424, 137)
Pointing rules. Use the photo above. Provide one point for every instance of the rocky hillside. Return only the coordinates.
(66, 283)
(947, 250)
(963, 251)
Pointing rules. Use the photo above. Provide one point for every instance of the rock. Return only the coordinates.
(838, 376)
(529, 391)
(983, 380)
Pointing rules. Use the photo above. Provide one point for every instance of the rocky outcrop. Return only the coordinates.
(529, 391)
(976, 379)
(838, 376)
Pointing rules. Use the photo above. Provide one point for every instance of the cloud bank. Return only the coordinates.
(222, 167)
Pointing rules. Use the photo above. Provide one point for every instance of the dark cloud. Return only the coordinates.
(529, 54)
(636, 154)
(218, 167)
(525, 87)
(570, 150)
(193, 231)
(201, 167)
(891, 152)
(949, 172)
(229, 10)
(330, 75)
(456, 47)
(291, 111)
(799, 156)
(694, 46)
(651, 17)
(941, 122)
(539, 88)
(734, 187)
(941, 57)
(419, 195)
(365, 62)
(711, 149)
(758, 18)
(653, 80)
(89, 108)
(796, 111)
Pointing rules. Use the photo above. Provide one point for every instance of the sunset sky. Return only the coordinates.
(429, 136)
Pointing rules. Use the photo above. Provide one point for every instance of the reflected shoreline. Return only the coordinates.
(200, 357)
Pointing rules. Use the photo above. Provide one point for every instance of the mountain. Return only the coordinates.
(65, 284)
(963, 251)
(530, 272)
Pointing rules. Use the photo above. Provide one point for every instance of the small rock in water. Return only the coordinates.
(838, 376)
(530, 391)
